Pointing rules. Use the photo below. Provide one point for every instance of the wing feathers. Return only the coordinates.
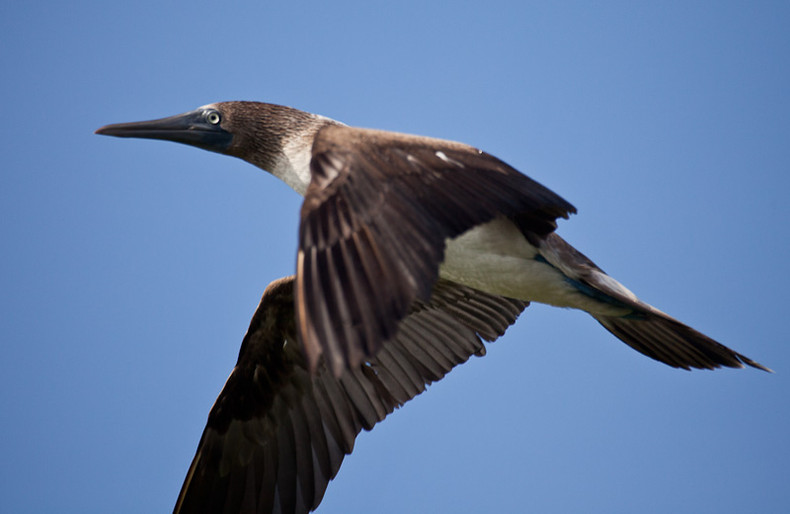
(375, 220)
(277, 434)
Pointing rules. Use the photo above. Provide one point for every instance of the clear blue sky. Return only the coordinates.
(130, 269)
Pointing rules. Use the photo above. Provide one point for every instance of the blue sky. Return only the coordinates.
(130, 269)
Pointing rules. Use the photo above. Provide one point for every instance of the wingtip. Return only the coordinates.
(754, 364)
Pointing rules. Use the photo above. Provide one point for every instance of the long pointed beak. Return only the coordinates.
(189, 128)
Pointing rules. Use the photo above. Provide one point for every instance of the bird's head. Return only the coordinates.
(253, 131)
(208, 127)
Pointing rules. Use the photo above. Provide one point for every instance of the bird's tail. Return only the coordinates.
(667, 340)
(643, 327)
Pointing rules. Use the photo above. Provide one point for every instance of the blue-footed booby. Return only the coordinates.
(386, 214)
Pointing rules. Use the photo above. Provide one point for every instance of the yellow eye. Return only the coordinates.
(213, 117)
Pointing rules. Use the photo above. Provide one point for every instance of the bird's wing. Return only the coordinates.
(374, 223)
(646, 329)
(277, 434)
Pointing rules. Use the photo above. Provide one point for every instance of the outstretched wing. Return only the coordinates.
(374, 224)
(278, 433)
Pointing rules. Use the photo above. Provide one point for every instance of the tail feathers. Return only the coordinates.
(647, 329)
(667, 340)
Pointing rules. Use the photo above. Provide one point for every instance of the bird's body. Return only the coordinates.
(493, 257)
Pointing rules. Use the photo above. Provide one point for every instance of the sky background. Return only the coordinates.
(130, 269)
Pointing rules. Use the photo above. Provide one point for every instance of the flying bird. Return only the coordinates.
(278, 432)
(385, 215)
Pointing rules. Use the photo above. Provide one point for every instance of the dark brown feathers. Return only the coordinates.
(278, 434)
(374, 224)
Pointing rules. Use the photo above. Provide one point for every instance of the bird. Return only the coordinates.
(278, 432)
(386, 214)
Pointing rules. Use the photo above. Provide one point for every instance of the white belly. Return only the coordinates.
(496, 258)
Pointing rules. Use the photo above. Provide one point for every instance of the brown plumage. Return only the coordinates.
(277, 433)
(373, 229)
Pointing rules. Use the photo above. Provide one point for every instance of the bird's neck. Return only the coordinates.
(283, 142)
(292, 163)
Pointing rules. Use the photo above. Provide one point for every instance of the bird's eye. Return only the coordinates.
(213, 117)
